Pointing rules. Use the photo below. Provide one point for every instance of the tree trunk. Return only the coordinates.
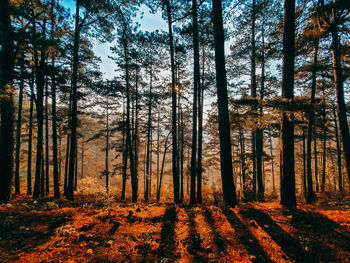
(272, 166)
(339, 80)
(228, 186)
(304, 166)
(243, 168)
(74, 100)
(47, 163)
(315, 159)
(7, 104)
(340, 179)
(162, 169)
(40, 79)
(56, 182)
(260, 131)
(323, 181)
(288, 173)
(136, 145)
(18, 138)
(158, 147)
(65, 183)
(146, 195)
(196, 84)
(173, 101)
(253, 94)
(107, 148)
(134, 183)
(30, 138)
(124, 156)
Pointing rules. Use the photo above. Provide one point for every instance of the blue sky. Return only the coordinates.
(148, 22)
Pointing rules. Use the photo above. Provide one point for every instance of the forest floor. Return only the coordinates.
(88, 230)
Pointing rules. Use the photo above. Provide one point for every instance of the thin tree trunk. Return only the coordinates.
(304, 165)
(272, 166)
(107, 148)
(340, 179)
(74, 99)
(40, 79)
(243, 168)
(253, 94)
(310, 193)
(315, 159)
(158, 147)
(162, 168)
(56, 176)
(323, 181)
(76, 167)
(30, 137)
(182, 158)
(260, 131)
(18, 137)
(65, 189)
(228, 186)
(146, 195)
(196, 87)
(134, 183)
(124, 157)
(136, 128)
(47, 163)
(173, 100)
(200, 135)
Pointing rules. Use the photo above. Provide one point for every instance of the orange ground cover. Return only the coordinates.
(82, 231)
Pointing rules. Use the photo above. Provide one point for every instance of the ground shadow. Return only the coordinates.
(20, 229)
(328, 231)
(195, 240)
(219, 241)
(167, 244)
(288, 244)
(246, 238)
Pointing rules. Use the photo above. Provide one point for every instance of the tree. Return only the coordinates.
(287, 130)
(196, 85)
(6, 96)
(332, 16)
(228, 186)
(176, 181)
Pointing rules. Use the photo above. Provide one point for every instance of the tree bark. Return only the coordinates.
(339, 80)
(74, 101)
(30, 138)
(56, 182)
(228, 186)
(107, 148)
(18, 138)
(253, 94)
(7, 104)
(47, 163)
(146, 195)
(288, 173)
(340, 179)
(40, 79)
(196, 84)
(173, 101)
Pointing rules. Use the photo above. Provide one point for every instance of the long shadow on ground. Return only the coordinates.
(289, 245)
(326, 230)
(195, 239)
(246, 238)
(219, 241)
(167, 244)
(18, 231)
